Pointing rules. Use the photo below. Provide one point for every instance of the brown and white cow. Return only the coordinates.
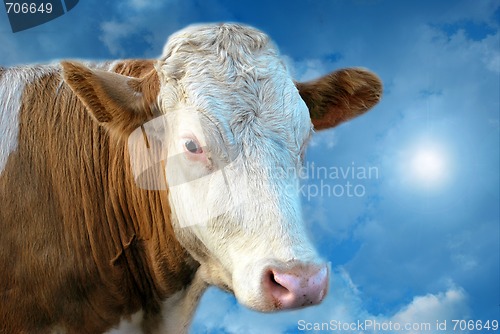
(84, 246)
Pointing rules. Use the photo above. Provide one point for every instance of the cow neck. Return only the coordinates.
(126, 230)
(143, 231)
(139, 220)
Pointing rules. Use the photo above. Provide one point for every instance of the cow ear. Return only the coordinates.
(116, 101)
(340, 96)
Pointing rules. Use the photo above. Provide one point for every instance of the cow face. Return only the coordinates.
(233, 131)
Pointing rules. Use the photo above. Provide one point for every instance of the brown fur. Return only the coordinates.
(81, 245)
(340, 96)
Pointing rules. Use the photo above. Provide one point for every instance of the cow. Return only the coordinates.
(86, 244)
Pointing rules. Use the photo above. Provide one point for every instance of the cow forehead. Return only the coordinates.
(230, 39)
(234, 75)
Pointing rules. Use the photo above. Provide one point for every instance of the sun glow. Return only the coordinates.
(428, 165)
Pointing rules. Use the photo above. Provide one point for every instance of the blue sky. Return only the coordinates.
(422, 242)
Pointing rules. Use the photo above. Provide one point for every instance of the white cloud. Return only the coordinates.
(470, 10)
(433, 309)
(344, 305)
(308, 69)
(147, 4)
(113, 33)
(491, 53)
(324, 140)
(141, 25)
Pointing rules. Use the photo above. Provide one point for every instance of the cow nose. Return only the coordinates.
(297, 287)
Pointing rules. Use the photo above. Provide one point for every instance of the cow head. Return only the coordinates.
(234, 128)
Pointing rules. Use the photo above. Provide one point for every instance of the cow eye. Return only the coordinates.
(192, 146)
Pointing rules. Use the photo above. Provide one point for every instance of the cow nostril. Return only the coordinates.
(271, 277)
(275, 284)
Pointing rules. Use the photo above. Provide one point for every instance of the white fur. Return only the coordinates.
(129, 325)
(227, 86)
(177, 311)
(58, 330)
(12, 85)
